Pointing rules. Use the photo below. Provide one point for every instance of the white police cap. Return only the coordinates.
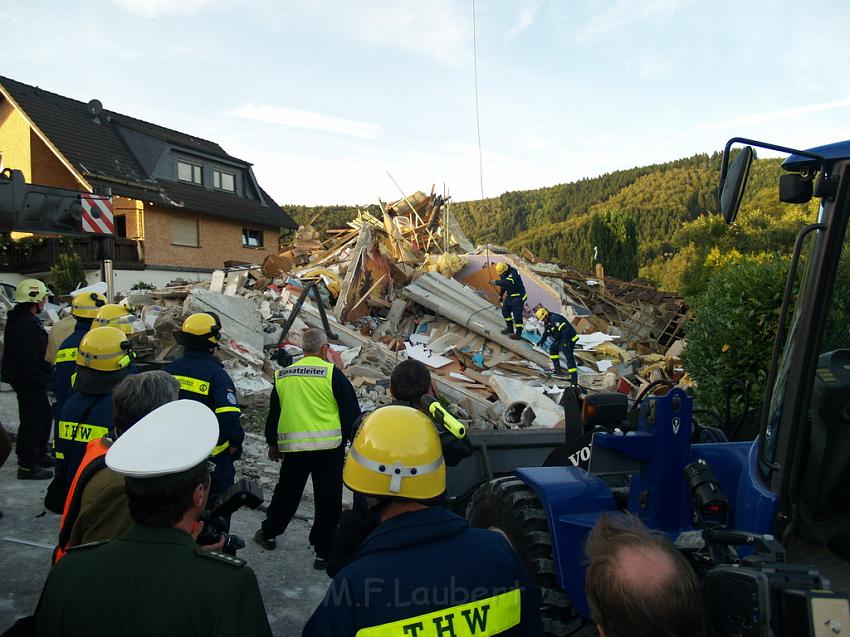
(172, 438)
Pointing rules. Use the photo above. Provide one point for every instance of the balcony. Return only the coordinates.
(27, 257)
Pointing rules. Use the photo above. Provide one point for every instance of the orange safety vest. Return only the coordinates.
(94, 449)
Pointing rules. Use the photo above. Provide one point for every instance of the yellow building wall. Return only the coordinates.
(15, 140)
(47, 169)
(219, 241)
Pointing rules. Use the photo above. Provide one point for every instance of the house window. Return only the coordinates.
(120, 226)
(184, 232)
(189, 172)
(224, 181)
(252, 238)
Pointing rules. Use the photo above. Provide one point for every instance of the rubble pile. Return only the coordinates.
(409, 284)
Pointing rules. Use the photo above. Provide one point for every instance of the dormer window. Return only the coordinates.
(189, 172)
(224, 181)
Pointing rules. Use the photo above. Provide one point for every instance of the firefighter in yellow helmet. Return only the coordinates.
(84, 307)
(562, 338)
(120, 316)
(105, 358)
(513, 297)
(473, 578)
(203, 378)
(25, 369)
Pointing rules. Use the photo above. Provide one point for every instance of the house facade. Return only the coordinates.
(183, 206)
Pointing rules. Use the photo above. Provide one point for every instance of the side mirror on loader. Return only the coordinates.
(733, 182)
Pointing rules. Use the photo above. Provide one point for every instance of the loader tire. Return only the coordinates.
(508, 506)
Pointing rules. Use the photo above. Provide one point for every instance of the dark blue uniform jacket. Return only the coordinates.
(511, 282)
(203, 378)
(428, 573)
(84, 417)
(64, 366)
(559, 330)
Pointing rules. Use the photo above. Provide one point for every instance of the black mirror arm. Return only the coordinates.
(752, 142)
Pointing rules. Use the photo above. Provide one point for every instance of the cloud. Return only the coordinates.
(435, 29)
(527, 17)
(292, 118)
(156, 8)
(622, 14)
(772, 116)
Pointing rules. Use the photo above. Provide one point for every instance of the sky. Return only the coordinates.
(328, 98)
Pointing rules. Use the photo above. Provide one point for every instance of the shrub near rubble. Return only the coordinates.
(734, 325)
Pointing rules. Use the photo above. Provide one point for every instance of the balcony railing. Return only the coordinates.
(28, 257)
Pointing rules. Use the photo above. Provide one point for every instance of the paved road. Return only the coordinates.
(291, 588)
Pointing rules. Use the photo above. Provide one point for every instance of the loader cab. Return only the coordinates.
(804, 442)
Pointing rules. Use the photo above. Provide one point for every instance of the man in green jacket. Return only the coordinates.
(154, 579)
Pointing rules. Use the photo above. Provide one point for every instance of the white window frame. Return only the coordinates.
(197, 172)
(217, 180)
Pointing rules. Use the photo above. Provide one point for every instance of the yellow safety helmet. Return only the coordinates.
(541, 313)
(31, 291)
(87, 304)
(105, 349)
(396, 453)
(200, 330)
(115, 315)
(501, 267)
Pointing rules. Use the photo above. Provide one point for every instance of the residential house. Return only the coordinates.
(183, 206)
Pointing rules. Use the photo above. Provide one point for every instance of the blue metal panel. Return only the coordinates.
(573, 501)
(756, 504)
(727, 460)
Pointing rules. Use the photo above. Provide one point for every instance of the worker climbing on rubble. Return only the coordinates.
(104, 360)
(203, 378)
(26, 370)
(311, 414)
(562, 339)
(423, 570)
(513, 296)
(84, 308)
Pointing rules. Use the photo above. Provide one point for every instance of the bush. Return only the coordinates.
(142, 285)
(734, 326)
(68, 274)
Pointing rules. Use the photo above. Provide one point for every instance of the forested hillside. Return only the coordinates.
(655, 221)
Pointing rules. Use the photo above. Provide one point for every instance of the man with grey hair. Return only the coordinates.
(311, 413)
(96, 507)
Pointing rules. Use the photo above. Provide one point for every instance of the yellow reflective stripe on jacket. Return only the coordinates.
(222, 447)
(575, 338)
(489, 616)
(73, 379)
(222, 410)
(312, 440)
(194, 385)
(67, 355)
(80, 432)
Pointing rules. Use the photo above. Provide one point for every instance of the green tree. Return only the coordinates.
(614, 236)
(69, 272)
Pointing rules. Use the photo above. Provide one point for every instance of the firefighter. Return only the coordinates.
(562, 339)
(423, 570)
(203, 378)
(311, 414)
(104, 360)
(84, 308)
(513, 296)
(26, 370)
(120, 316)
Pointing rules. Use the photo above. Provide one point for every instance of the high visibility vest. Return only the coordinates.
(309, 415)
(95, 449)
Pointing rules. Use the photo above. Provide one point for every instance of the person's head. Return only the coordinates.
(86, 305)
(314, 342)
(410, 381)
(501, 267)
(396, 455)
(638, 584)
(138, 395)
(163, 458)
(201, 330)
(105, 349)
(32, 293)
(118, 316)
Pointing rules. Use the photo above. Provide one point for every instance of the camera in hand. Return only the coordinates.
(756, 594)
(216, 518)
